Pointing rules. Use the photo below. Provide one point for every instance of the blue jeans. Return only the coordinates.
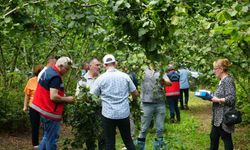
(51, 130)
(157, 109)
(173, 106)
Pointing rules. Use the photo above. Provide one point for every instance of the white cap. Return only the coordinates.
(107, 59)
(65, 61)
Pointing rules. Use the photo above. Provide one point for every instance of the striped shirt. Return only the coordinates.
(114, 87)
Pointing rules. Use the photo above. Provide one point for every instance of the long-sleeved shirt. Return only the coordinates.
(226, 89)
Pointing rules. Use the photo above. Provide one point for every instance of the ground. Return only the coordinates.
(198, 118)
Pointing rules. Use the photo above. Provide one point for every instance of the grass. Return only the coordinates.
(191, 134)
(193, 131)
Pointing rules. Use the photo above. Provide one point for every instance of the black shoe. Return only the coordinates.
(186, 107)
(172, 120)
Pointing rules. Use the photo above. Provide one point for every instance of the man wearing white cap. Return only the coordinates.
(114, 87)
(49, 101)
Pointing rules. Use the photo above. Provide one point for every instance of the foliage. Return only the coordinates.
(11, 104)
(84, 117)
(189, 32)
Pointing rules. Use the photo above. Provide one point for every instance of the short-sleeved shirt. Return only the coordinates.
(114, 87)
(30, 89)
(86, 81)
(184, 75)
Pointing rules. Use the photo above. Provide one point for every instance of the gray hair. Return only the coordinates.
(64, 61)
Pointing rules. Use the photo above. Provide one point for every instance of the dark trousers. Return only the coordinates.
(110, 131)
(215, 135)
(35, 123)
(184, 92)
(173, 106)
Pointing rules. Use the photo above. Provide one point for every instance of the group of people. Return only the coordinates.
(45, 98)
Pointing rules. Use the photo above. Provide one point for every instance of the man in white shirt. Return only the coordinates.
(114, 87)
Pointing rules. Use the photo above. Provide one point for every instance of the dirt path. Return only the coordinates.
(202, 111)
(22, 140)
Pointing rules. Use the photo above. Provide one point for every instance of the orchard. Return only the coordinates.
(136, 32)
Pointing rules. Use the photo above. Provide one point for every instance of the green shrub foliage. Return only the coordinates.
(84, 117)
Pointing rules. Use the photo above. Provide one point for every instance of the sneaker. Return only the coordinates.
(124, 148)
(186, 107)
(35, 147)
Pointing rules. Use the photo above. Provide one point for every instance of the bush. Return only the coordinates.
(11, 115)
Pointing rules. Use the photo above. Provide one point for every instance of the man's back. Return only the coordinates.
(184, 74)
(114, 87)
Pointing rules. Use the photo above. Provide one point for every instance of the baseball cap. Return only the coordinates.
(107, 59)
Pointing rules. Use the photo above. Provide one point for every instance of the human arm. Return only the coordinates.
(218, 100)
(27, 93)
(135, 94)
(167, 80)
(229, 93)
(96, 88)
(132, 89)
(55, 97)
(26, 102)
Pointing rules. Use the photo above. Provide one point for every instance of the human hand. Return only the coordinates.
(25, 109)
(216, 100)
(70, 99)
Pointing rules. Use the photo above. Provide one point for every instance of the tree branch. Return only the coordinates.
(91, 5)
(18, 7)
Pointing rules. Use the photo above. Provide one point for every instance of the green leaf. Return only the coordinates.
(175, 20)
(7, 20)
(71, 24)
(223, 16)
(153, 2)
(127, 5)
(91, 18)
(142, 31)
(206, 25)
(218, 29)
(117, 4)
(232, 12)
(245, 9)
(247, 38)
(145, 23)
(229, 30)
